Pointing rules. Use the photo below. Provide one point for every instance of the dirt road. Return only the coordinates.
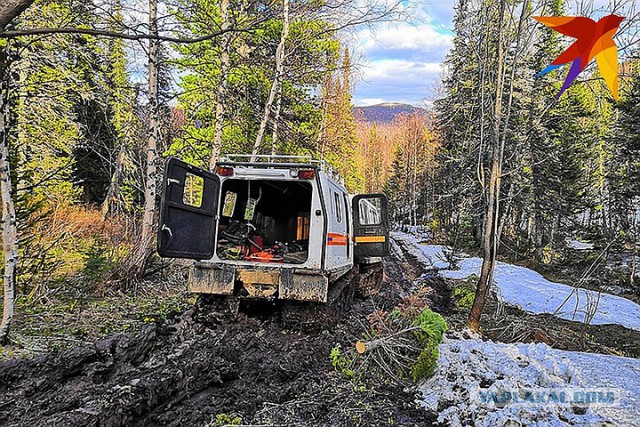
(200, 369)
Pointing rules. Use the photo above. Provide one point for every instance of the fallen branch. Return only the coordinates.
(363, 347)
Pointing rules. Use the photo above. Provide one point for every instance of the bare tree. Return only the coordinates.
(113, 200)
(344, 15)
(222, 84)
(490, 242)
(145, 246)
(500, 124)
(9, 10)
(9, 226)
(276, 119)
(277, 80)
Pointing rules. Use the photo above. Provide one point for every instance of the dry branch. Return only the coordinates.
(389, 341)
(127, 36)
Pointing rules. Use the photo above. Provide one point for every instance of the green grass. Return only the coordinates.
(76, 313)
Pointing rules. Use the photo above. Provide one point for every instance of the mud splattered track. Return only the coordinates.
(192, 370)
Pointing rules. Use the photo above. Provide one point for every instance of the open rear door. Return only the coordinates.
(188, 211)
(370, 225)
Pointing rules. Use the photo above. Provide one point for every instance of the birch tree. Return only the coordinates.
(277, 82)
(145, 245)
(9, 10)
(9, 226)
(221, 93)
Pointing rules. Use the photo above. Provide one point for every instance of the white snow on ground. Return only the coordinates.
(579, 246)
(430, 256)
(473, 377)
(529, 290)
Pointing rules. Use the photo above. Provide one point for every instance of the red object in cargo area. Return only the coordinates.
(265, 256)
(258, 242)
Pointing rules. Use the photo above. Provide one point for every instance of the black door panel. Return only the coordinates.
(188, 212)
(370, 225)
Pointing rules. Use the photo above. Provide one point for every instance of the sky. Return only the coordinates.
(402, 61)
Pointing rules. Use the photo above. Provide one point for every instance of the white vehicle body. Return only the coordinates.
(288, 201)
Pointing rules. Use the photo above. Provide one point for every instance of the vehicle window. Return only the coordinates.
(369, 211)
(338, 207)
(229, 204)
(250, 209)
(193, 189)
(302, 231)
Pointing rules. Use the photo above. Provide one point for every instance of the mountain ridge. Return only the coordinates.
(384, 112)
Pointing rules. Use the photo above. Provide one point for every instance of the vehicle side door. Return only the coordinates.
(188, 211)
(370, 225)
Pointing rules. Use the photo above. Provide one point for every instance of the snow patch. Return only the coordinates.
(430, 256)
(468, 367)
(580, 246)
(529, 290)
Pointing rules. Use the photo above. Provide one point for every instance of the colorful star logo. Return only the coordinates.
(594, 39)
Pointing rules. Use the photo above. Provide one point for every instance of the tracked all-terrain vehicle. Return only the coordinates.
(279, 227)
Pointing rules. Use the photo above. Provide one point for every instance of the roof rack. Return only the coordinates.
(269, 158)
(282, 160)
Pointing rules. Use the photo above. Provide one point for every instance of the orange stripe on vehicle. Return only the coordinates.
(336, 239)
(370, 239)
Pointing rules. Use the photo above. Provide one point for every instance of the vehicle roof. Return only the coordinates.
(283, 162)
(264, 165)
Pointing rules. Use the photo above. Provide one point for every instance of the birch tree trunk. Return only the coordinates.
(222, 84)
(9, 226)
(324, 105)
(276, 79)
(147, 233)
(276, 119)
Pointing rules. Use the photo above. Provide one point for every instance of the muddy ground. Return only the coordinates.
(201, 368)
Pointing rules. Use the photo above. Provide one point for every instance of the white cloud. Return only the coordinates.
(403, 61)
(421, 38)
(365, 102)
(400, 69)
(397, 80)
